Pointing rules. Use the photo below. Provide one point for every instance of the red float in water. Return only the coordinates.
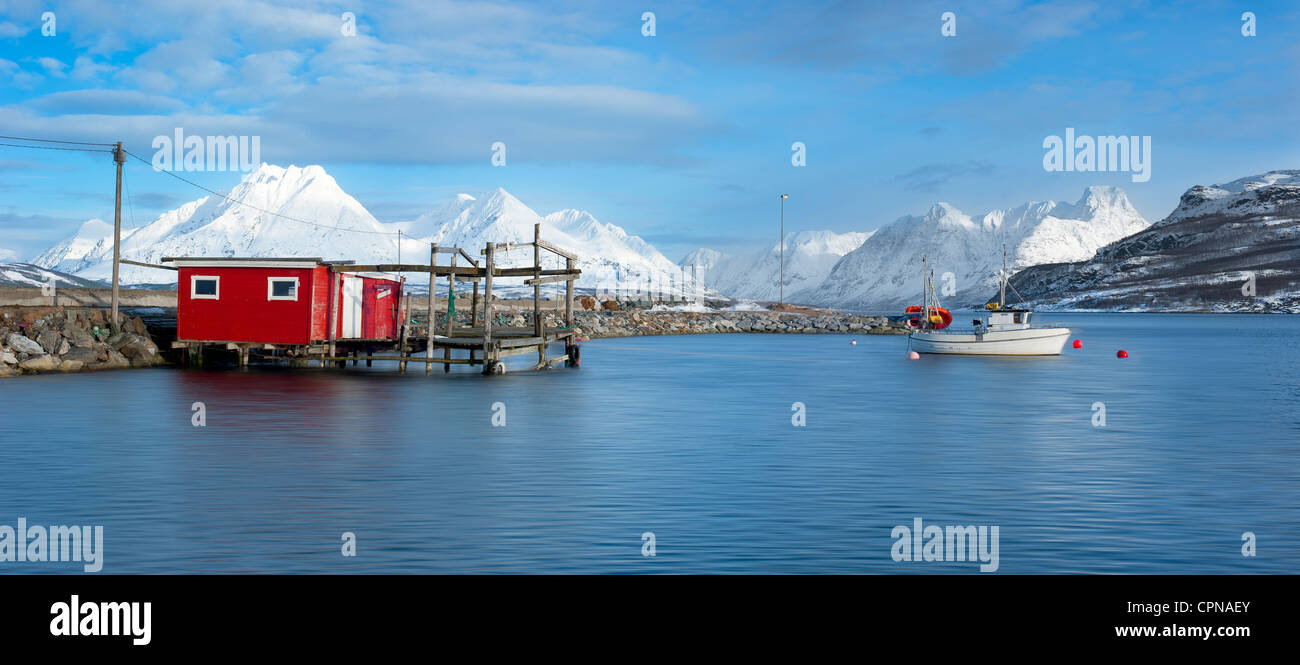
(913, 356)
(853, 342)
(1122, 354)
(1078, 344)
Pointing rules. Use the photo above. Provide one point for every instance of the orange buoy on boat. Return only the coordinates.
(939, 317)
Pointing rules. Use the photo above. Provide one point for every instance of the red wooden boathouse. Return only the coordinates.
(281, 301)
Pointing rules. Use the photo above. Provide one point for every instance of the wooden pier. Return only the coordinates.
(482, 342)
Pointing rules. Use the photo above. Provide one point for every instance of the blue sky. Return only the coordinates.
(683, 137)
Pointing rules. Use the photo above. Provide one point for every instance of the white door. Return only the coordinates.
(351, 307)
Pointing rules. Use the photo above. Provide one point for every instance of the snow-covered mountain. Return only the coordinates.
(809, 257)
(26, 274)
(965, 253)
(609, 257)
(86, 246)
(1231, 247)
(214, 226)
(337, 226)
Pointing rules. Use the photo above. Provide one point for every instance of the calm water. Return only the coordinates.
(689, 438)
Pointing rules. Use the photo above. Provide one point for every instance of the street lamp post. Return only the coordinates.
(781, 284)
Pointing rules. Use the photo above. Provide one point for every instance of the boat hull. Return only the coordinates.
(1030, 342)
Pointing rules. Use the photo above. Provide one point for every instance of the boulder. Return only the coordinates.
(115, 361)
(40, 364)
(8, 370)
(21, 344)
(78, 336)
(70, 366)
(7, 358)
(88, 355)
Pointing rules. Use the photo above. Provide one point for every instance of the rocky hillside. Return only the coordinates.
(1201, 258)
(50, 339)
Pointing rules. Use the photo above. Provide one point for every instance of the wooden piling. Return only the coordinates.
(428, 347)
(488, 356)
(451, 293)
(334, 312)
(405, 323)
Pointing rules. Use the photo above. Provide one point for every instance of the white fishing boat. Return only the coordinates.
(1001, 331)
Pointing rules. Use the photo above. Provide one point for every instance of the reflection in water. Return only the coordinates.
(689, 437)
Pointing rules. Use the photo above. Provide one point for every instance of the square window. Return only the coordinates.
(205, 287)
(282, 288)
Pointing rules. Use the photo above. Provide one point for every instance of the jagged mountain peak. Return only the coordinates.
(881, 273)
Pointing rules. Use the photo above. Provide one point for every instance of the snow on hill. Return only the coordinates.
(91, 241)
(26, 274)
(610, 259)
(215, 226)
(703, 260)
(885, 272)
(1244, 196)
(341, 228)
(809, 257)
(1232, 247)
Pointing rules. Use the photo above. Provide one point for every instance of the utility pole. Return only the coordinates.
(119, 157)
(782, 282)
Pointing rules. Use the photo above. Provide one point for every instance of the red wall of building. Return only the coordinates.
(243, 313)
(320, 303)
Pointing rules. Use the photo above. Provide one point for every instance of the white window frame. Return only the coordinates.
(270, 288)
(195, 295)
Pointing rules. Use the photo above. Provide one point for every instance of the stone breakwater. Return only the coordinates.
(598, 324)
(49, 339)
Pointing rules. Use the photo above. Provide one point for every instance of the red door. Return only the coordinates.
(379, 309)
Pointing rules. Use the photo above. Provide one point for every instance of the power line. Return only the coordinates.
(113, 146)
(50, 147)
(269, 212)
(24, 138)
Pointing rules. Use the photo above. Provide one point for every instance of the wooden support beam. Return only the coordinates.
(451, 294)
(406, 323)
(538, 324)
(528, 272)
(428, 347)
(551, 280)
(473, 307)
(147, 265)
(488, 356)
(409, 359)
(463, 271)
(334, 311)
(568, 295)
(556, 248)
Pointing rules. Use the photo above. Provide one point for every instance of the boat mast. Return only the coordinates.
(1002, 283)
(925, 292)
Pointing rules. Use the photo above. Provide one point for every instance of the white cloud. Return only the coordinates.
(8, 30)
(52, 66)
(8, 254)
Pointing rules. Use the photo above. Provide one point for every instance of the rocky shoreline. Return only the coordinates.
(36, 340)
(636, 323)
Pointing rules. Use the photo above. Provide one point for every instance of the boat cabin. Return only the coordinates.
(281, 301)
(1007, 319)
